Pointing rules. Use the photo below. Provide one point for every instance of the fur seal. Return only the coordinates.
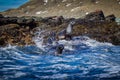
(59, 49)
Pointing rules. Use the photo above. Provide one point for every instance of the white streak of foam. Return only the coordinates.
(19, 74)
(94, 43)
(63, 66)
(55, 76)
(67, 44)
(2, 61)
(70, 45)
(53, 71)
(12, 67)
(38, 39)
(8, 47)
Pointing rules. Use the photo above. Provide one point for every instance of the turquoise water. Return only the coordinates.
(9, 4)
(82, 59)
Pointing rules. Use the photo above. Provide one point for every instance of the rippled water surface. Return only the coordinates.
(81, 60)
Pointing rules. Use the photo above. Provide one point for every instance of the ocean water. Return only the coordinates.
(9, 4)
(82, 59)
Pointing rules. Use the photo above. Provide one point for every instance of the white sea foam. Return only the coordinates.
(94, 43)
(1, 61)
(38, 39)
(8, 47)
(55, 76)
(19, 74)
(12, 67)
(85, 61)
(79, 42)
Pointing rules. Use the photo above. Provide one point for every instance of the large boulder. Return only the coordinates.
(8, 20)
(46, 19)
(13, 19)
(3, 21)
(21, 20)
(53, 21)
(37, 19)
(115, 39)
(27, 22)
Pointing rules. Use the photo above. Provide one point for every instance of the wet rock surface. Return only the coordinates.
(20, 30)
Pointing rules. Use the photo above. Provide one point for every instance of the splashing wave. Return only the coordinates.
(83, 58)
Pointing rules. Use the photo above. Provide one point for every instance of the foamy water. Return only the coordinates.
(82, 59)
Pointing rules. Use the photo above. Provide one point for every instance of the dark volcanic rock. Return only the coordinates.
(53, 21)
(22, 21)
(1, 16)
(115, 39)
(110, 17)
(8, 20)
(2, 42)
(20, 30)
(37, 19)
(97, 15)
(12, 20)
(27, 22)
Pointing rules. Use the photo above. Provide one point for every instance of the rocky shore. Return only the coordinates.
(20, 30)
(66, 8)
